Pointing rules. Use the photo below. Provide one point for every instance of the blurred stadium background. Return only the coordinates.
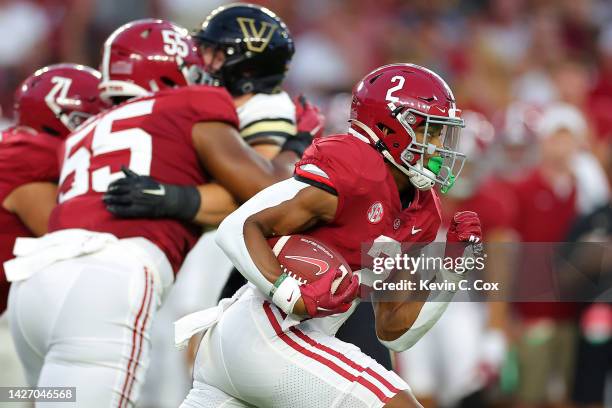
(523, 71)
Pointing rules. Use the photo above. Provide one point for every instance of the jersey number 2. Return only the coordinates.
(104, 140)
(400, 84)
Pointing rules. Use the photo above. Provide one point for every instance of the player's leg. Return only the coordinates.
(89, 318)
(100, 341)
(30, 323)
(535, 363)
(248, 356)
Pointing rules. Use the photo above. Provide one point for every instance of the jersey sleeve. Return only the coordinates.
(267, 119)
(211, 104)
(27, 159)
(329, 164)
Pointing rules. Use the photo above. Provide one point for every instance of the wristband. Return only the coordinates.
(285, 293)
(298, 143)
(183, 202)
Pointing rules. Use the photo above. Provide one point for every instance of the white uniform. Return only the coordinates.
(267, 118)
(62, 323)
(298, 367)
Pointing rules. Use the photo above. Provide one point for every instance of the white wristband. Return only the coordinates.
(286, 293)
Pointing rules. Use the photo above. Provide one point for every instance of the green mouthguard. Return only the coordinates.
(435, 165)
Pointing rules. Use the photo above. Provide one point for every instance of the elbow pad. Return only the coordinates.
(230, 235)
(430, 313)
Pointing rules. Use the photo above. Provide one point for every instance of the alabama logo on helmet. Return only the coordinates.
(375, 213)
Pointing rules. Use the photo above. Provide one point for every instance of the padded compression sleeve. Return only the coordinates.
(430, 313)
(230, 235)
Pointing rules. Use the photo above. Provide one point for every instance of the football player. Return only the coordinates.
(267, 347)
(246, 49)
(85, 294)
(49, 104)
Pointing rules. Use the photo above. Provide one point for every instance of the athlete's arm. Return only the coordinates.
(238, 170)
(234, 165)
(400, 323)
(216, 202)
(282, 209)
(32, 203)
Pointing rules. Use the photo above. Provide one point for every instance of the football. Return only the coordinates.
(307, 259)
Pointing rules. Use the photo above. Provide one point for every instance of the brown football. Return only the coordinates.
(308, 259)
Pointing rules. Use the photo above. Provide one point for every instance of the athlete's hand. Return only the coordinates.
(318, 300)
(308, 117)
(310, 122)
(464, 231)
(136, 196)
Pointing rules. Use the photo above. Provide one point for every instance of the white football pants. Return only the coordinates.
(84, 322)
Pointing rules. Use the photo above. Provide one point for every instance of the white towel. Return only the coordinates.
(198, 322)
(35, 254)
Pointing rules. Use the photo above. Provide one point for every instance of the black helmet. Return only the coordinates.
(257, 46)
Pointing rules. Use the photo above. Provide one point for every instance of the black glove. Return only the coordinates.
(136, 196)
(298, 143)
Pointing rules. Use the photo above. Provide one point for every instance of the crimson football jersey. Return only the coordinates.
(25, 157)
(370, 209)
(369, 203)
(151, 136)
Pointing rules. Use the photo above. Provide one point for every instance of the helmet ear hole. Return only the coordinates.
(385, 129)
(50, 131)
(168, 82)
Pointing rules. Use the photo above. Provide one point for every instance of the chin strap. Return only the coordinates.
(418, 178)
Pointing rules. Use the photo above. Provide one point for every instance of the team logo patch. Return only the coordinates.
(375, 213)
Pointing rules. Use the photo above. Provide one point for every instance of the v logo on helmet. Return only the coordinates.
(256, 40)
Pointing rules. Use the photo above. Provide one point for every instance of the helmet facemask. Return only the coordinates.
(430, 163)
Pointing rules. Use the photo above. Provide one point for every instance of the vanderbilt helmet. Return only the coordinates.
(256, 45)
(395, 103)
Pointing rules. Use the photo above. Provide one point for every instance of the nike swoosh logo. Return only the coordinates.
(322, 265)
(416, 230)
(160, 191)
(290, 296)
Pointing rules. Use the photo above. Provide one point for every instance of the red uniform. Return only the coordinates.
(152, 136)
(24, 158)
(543, 217)
(369, 204)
